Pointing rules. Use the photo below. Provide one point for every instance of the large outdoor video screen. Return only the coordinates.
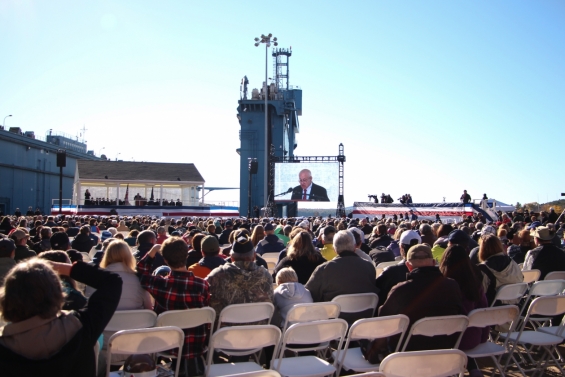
(307, 181)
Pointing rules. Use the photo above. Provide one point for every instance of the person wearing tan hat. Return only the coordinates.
(425, 293)
(546, 257)
(20, 237)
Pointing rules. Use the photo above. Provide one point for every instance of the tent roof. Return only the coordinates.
(138, 171)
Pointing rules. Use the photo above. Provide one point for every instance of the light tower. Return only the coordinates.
(268, 124)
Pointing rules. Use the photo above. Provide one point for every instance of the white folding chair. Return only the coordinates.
(381, 266)
(531, 276)
(368, 374)
(139, 341)
(434, 363)
(510, 293)
(271, 259)
(187, 319)
(308, 333)
(369, 328)
(548, 306)
(555, 275)
(541, 289)
(131, 319)
(434, 326)
(311, 312)
(484, 317)
(259, 373)
(127, 320)
(357, 302)
(246, 314)
(240, 338)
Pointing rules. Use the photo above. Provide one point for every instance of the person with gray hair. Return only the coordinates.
(347, 273)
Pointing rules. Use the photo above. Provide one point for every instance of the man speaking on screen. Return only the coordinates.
(307, 190)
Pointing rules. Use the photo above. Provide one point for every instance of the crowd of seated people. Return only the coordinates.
(94, 265)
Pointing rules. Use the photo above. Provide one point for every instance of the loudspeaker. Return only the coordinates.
(61, 158)
(253, 165)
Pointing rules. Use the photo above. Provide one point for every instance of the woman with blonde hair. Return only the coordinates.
(257, 235)
(119, 259)
(122, 227)
(301, 256)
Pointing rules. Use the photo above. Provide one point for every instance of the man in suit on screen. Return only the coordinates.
(307, 190)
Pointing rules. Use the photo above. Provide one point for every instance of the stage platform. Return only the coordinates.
(159, 211)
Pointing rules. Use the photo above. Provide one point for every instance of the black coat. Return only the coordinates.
(76, 358)
(317, 194)
(425, 293)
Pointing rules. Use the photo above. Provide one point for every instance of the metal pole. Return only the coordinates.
(60, 190)
(266, 164)
(4, 121)
(249, 196)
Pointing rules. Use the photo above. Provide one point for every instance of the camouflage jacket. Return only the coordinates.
(239, 283)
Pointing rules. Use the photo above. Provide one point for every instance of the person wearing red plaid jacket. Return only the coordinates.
(177, 291)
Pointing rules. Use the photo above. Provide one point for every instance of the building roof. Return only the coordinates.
(137, 171)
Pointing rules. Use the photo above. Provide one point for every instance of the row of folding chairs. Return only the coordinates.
(540, 302)
(240, 338)
(237, 314)
(531, 276)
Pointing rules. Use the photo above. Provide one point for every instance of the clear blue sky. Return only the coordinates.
(428, 97)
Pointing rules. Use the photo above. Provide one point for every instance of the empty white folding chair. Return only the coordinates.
(548, 306)
(531, 276)
(271, 257)
(434, 326)
(240, 338)
(140, 341)
(434, 363)
(541, 289)
(127, 320)
(555, 275)
(131, 319)
(510, 293)
(187, 319)
(381, 266)
(357, 302)
(245, 314)
(484, 317)
(259, 373)
(312, 312)
(308, 333)
(370, 328)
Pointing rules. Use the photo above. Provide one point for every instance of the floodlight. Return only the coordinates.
(270, 35)
(257, 44)
(276, 44)
(275, 38)
(256, 39)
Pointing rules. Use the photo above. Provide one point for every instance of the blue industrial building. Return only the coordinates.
(29, 176)
(284, 106)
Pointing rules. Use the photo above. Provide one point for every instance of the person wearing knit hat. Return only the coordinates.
(241, 281)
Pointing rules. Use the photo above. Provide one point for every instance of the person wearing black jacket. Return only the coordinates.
(66, 339)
